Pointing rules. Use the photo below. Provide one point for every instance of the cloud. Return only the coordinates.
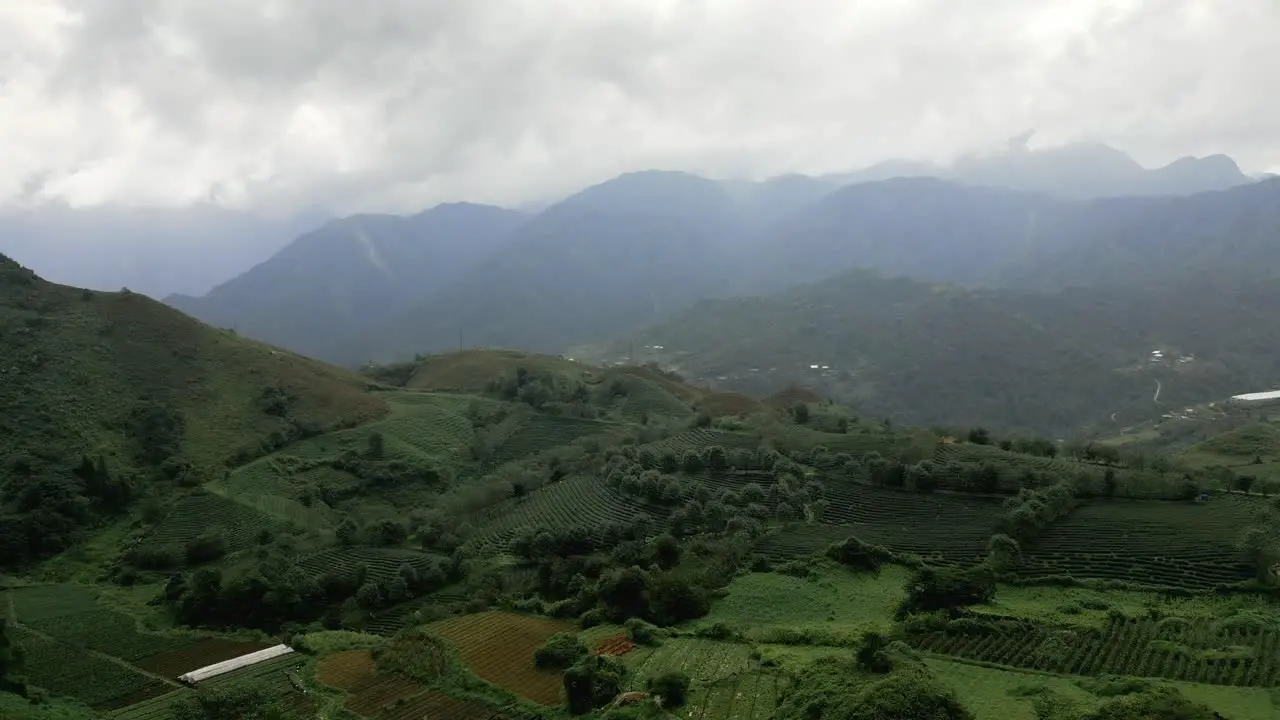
(397, 104)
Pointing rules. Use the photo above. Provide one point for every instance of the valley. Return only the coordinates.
(626, 458)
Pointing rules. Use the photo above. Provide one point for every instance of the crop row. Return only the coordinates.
(646, 399)
(700, 438)
(433, 704)
(747, 696)
(575, 501)
(1200, 574)
(382, 563)
(203, 512)
(108, 632)
(69, 671)
(196, 655)
(499, 647)
(702, 660)
(1125, 647)
(156, 708)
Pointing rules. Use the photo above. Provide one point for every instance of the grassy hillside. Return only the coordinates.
(448, 539)
(143, 393)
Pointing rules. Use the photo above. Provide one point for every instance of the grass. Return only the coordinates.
(999, 694)
(1087, 607)
(835, 606)
(83, 360)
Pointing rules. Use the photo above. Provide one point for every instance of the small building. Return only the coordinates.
(1258, 396)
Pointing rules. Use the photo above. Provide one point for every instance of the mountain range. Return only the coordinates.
(635, 249)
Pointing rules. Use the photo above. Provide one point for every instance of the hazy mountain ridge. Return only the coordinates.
(628, 251)
(933, 354)
(155, 251)
(331, 281)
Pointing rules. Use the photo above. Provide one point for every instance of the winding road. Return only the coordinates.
(1157, 395)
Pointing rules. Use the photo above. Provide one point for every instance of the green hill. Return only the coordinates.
(942, 355)
(456, 529)
(105, 393)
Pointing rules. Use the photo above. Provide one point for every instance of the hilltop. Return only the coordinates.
(107, 397)
(931, 354)
(427, 560)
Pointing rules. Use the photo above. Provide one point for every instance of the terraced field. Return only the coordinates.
(383, 563)
(499, 647)
(1171, 544)
(202, 512)
(701, 438)
(944, 529)
(576, 500)
(1196, 652)
(543, 432)
(648, 399)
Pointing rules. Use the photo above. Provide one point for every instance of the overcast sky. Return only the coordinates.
(398, 104)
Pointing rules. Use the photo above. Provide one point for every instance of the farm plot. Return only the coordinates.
(700, 438)
(614, 645)
(34, 603)
(575, 501)
(156, 708)
(377, 691)
(645, 398)
(499, 647)
(345, 670)
(383, 563)
(747, 696)
(945, 529)
(543, 432)
(196, 655)
(705, 661)
(430, 429)
(941, 529)
(65, 670)
(432, 704)
(1201, 652)
(108, 632)
(203, 512)
(1152, 542)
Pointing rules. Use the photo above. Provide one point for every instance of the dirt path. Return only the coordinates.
(100, 655)
(1157, 395)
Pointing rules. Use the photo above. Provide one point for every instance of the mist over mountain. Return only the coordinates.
(155, 250)
(631, 250)
(333, 280)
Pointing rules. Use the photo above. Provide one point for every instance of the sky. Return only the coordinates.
(395, 105)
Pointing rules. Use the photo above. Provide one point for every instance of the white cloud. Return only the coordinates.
(397, 104)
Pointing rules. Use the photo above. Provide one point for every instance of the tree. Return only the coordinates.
(666, 551)
(672, 687)
(979, 436)
(1109, 482)
(348, 532)
(10, 655)
(559, 651)
(872, 655)
(376, 446)
(801, 413)
(592, 682)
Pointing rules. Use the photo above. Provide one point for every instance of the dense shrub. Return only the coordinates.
(559, 651)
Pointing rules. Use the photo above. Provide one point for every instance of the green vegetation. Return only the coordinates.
(439, 542)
